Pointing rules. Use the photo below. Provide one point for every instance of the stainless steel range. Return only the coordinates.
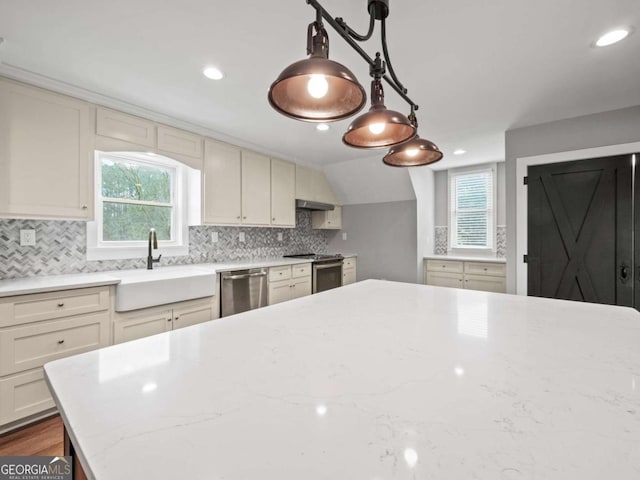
(327, 270)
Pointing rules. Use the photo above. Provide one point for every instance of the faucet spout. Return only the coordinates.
(153, 245)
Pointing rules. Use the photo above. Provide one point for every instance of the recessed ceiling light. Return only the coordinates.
(459, 152)
(614, 36)
(323, 127)
(213, 73)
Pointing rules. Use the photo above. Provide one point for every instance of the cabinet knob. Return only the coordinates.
(244, 218)
(238, 217)
(84, 207)
(485, 269)
(169, 319)
(61, 305)
(177, 318)
(273, 219)
(60, 342)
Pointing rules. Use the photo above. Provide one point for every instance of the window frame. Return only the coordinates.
(491, 210)
(99, 249)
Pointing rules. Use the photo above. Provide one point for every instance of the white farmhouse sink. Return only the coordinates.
(148, 288)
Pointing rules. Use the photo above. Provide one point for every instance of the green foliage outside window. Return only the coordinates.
(149, 190)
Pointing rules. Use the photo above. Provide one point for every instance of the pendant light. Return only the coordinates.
(317, 89)
(379, 127)
(413, 153)
(320, 90)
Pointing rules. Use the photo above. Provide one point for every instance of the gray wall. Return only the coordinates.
(384, 236)
(608, 128)
(441, 203)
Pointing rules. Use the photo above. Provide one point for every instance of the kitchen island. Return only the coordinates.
(375, 380)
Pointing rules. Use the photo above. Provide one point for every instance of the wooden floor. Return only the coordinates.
(45, 438)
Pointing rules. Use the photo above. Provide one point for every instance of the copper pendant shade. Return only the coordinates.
(414, 153)
(379, 127)
(317, 89)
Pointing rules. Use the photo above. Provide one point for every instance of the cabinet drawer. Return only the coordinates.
(279, 273)
(121, 126)
(444, 279)
(481, 268)
(302, 270)
(24, 395)
(485, 283)
(450, 266)
(349, 263)
(48, 306)
(30, 346)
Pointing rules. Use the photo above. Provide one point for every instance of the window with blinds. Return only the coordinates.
(472, 209)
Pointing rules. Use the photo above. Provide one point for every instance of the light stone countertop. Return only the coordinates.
(375, 380)
(50, 283)
(467, 258)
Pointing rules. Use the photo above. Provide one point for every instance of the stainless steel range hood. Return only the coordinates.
(309, 205)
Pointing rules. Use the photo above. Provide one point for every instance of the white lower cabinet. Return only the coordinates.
(289, 282)
(151, 321)
(349, 271)
(484, 276)
(38, 328)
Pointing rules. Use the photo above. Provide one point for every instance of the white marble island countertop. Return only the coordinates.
(375, 380)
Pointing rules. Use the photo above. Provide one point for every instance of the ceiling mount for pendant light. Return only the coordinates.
(413, 153)
(317, 89)
(320, 90)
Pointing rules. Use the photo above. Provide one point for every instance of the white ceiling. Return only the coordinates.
(476, 68)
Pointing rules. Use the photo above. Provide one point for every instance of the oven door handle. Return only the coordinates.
(329, 265)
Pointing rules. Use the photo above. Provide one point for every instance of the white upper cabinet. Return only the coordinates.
(128, 128)
(313, 185)
(180, 144)
(327, 220)
(256, 189)
(46, 162)
(283, 193)
(221, 184)
(236, 186)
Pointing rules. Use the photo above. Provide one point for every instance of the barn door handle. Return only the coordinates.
(624, 273)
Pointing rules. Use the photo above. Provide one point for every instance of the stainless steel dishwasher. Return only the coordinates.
(243, 290)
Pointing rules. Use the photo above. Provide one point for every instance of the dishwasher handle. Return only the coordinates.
(244, 275)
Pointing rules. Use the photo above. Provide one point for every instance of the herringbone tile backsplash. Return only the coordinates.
(61, 246)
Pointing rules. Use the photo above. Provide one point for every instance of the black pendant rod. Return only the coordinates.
(345, 35)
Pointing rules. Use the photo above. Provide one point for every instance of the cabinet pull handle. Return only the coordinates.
(169, 319)
(61, 305)
(177, 318)
(60, 342)
(238, 217)
(485, 269)
(84, 207)
(244, 218)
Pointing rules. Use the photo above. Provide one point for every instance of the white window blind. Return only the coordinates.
(472, 220)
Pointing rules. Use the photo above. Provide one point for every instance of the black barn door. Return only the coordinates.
(580, 232)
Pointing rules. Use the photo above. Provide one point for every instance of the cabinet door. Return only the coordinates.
(256, 189)
(184, 144)
(221, 189)
(283, 193)
(334, 218)
(300, 287)
(443, 279)
(485, 283)
(192, 313)
(279, 292)
(128, 128)
(46, 163)
(349, 276)
(134, 325)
